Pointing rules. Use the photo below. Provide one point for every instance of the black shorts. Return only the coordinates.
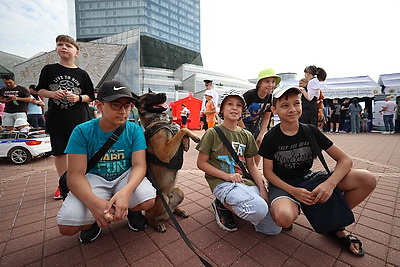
(59, 143)
(335, 118)
(184, 120)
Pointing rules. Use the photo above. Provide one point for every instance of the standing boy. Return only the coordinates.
(115, 187)
(16, 99)
(69, 89)
(258, 101)
(233, 191)
(288, 161)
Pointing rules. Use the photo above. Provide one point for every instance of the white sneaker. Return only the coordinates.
(392, 132)
(385, 132)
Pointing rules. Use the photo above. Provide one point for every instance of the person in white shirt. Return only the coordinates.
(184, 115)
(388, 110)
(315, 77)
(215, 99)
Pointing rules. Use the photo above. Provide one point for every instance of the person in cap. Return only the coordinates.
(69, 89)
(215, 98)
(115, 188)
(211, 110)
(234, 193)
(311, 94)
(258, 101)
(288, 159)
(21, 125)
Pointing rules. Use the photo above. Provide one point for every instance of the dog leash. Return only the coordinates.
(173, 219)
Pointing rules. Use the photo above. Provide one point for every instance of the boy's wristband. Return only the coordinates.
(80, 98)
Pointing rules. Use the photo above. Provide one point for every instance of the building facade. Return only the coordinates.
(169, 29)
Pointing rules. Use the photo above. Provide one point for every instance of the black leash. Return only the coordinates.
(173, 219)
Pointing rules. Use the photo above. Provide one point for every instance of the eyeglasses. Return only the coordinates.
(118, 106)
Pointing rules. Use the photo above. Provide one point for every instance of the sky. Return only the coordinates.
(241, 38)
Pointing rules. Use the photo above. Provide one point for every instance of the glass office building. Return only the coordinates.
(169, 29)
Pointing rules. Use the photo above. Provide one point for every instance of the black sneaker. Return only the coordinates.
(89, 235)
(136, 221)
(223, 216)
(288, 228)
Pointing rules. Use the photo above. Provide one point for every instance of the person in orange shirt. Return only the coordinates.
(210, 110)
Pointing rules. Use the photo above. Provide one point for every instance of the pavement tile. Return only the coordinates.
(137, 249)
(177, 252)
(22, 257)
(72, 256)
(313, 257)
(223, 253)
(23, 242)
(104, 243)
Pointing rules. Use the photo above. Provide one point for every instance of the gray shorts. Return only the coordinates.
(74, 213)
(275, 193)
(8, 119)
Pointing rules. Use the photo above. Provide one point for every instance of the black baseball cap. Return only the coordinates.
(207, 81)
(112, 90)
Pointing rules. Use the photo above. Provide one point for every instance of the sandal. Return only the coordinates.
(345, 243)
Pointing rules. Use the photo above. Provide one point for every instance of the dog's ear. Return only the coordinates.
(136, 98)
(149, 90)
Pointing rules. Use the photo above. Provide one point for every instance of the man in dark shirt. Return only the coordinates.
(16, 99)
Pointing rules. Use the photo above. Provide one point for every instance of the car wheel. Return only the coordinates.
(20, 155)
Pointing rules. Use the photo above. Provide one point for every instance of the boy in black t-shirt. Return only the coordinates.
(69, 89)
(288, 160)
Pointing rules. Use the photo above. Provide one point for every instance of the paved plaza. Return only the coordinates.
(29, 235)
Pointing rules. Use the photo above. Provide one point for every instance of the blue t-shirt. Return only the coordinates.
(88, 138)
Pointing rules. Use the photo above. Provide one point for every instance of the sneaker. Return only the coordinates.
(288, 228)
(57, 194)
(89, 235)
(385, 132)
(392, 132)
(136, 221)
(223, 216)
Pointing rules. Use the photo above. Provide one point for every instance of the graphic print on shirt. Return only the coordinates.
(112, 165)
(290, 157)
(228, 164)
(65, 82)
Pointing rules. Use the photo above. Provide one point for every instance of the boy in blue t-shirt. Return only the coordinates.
(115, 187)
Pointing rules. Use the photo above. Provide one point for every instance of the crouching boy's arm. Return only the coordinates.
(301, 194)
(80, 187)
(204, 165)
(120, 201)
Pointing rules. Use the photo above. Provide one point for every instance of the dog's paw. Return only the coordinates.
(160, 228)
(196, 139)
(181, 212)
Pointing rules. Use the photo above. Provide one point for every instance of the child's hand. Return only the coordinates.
(303, 195)
(234, 178)
(59, 94)
(323, 192)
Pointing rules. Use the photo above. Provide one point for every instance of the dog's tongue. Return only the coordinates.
(163, 105)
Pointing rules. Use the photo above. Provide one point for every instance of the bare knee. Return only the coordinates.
(284, 211)
(70, 230)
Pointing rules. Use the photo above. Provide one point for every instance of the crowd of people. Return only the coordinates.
(116, 187)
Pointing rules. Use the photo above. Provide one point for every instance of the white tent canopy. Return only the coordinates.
(358, 86)
(391, 82)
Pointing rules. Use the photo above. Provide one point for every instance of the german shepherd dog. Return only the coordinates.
(165, 146)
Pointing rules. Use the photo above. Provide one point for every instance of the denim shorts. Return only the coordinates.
(247, 204)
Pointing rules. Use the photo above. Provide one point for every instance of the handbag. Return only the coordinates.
(333, 214)
(232, 152)
(62, 181)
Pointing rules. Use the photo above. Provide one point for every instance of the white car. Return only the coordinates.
(22, 147)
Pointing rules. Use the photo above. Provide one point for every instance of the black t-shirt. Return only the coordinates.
(254, 104)
(63, 116)
(292, 156)
(18, 91)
